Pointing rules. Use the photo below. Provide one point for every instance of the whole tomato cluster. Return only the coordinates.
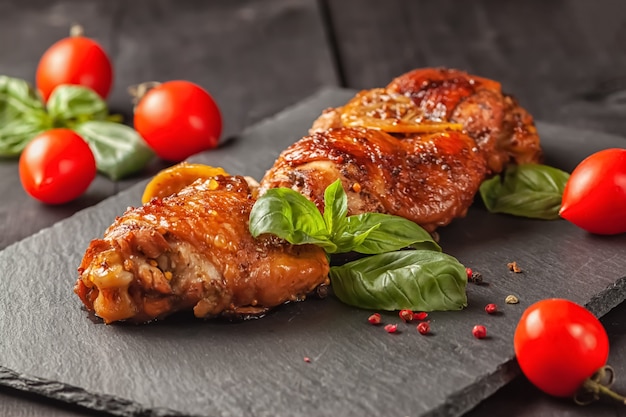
(176, 119)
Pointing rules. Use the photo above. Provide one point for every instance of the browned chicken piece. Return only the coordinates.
(193, 250)
(503, 130)
(428, 178)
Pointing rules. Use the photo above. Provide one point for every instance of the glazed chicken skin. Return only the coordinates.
(418, 148)
(504, 132)
(429, 179)
(193, 250)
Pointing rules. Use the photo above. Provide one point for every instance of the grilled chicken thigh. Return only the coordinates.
(418, 148)
(193, 250)
(429, 178)
(503, 131)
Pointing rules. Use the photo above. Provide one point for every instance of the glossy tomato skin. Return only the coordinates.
(57, 166)
(594, 198)
(178, 119)
(75, 60)
(559, 344)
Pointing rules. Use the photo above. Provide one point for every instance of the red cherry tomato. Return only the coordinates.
(57, 166)
(75, 60)
(178, 119)
(594, 198)
(560, 344)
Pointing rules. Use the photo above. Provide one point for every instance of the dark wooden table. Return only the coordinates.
(564, 60)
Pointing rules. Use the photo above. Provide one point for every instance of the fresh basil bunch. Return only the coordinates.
(118, 149)
(420, 278)
(528, 190)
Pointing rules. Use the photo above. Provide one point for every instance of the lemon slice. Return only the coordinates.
(390, 112)
(173, 179)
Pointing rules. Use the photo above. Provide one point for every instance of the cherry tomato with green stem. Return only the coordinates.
(57, 166)
(560, 346)
(178, 119)
(594, 198)
(76, 60)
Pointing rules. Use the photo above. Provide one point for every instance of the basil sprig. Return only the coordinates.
(22, 116)
(118, 149)
(528, 190)
(291, 216)
(420, 278)
(414, 279)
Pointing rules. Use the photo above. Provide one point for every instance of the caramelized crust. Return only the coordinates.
(504, 132)
(446, 132)
(429, 179)
(193, 251)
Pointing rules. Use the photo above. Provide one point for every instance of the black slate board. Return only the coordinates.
(182, 366)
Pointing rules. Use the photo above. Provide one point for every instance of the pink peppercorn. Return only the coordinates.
(374, 318)
(491, 308)
(406, 315)
(479, 331)
(423, 328)
(391, 328)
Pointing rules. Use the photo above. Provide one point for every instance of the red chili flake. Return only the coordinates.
(391, 328)
(424, 327)
(479, 331)
(491, 308)
(406, 315)
(374, 318)
(420, 315)
(307, 359)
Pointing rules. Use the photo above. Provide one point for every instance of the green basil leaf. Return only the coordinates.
(335, 208)
(119, 150)
(15, 135)
(71, 104)
(290, 216)
(353, 241)
(16, 98)
(414, 279)
(529, 190)
(22, 115)
(392, 233)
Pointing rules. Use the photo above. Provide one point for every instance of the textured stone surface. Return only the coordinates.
(51, 346)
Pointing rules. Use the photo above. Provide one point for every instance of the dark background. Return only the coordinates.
(564, 61)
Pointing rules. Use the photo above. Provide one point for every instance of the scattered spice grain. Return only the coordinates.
(391, 328)
(406, 315)
(479, 331)
(491, 308)
(511, 299)
(513, 266)
(423, 327)
(374, 318)
(420, 315)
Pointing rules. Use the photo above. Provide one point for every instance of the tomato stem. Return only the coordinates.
(598, 386)
(140, 90)
(76, 30)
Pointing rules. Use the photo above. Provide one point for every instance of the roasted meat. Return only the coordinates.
(504, 132)
(418, 148)
(193, 250)
(427, 178)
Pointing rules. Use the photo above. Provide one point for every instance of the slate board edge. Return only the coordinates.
(70, 394)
